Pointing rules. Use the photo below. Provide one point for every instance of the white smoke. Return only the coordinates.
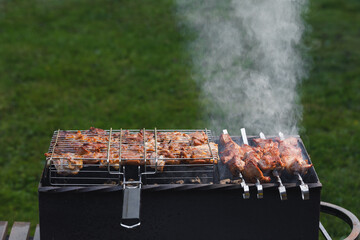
(247, 61)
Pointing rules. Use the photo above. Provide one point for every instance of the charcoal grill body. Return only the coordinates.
(181, 211)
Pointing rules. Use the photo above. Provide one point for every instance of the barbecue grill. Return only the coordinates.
(113, 198)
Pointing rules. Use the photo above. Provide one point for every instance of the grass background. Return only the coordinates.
(75, 64)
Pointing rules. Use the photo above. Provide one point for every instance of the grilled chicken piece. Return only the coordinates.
(233, 154)
(244, 159)
(198, 138)
(152, 162)
(270, 159)
(86, 148)
(168, 137)
(90, 147)
(96, 131)
(251, 170)
(291, 156)
(65, 164)
(200, 151)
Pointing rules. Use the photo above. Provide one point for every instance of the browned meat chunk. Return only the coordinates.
(198, 138)
(292, 158)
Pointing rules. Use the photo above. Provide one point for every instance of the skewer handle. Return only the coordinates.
(260, 191)
(305, 194)
(262, 136)
(244, 137)
(281, 135)
(246, 194)
(282, 189)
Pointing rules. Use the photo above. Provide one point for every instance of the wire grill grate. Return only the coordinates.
(97, 157)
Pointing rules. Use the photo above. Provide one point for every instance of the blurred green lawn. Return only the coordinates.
(331, 101)
(105, 63)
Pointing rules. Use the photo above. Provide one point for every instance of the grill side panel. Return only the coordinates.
(190, 214)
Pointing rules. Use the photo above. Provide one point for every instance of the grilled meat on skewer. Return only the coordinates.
(270, 159)
(251, 170)
(244, 159)
(232, 154)
(291, 156)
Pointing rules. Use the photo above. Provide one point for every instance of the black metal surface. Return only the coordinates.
(181, 211)
(189, 214)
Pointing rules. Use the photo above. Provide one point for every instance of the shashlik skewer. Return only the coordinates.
(242, 159)
(232, 157)
(281, 188)
(291, 155)
(295, 163)
(250, 159)
(252, 162)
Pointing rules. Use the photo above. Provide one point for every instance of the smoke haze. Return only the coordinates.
(247, 61)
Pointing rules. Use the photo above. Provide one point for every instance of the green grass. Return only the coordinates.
(331, 101)
(73, 64)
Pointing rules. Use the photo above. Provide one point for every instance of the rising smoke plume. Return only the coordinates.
(247, 61)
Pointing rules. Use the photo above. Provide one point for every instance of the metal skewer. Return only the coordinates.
(259, 187)
(305, 194)
(303, 187)
(246, 194)
(260, 191)
(244, 137)
(282, 189)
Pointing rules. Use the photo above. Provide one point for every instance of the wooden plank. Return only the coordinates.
(3, 230)
(20, 231)
(37, 233)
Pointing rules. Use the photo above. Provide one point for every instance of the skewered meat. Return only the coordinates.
(244, 159)
(251, 170)
(233, 154)
(291, 156)
(270, 159)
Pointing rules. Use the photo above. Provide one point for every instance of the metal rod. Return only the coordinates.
(259, 187)
(53, 149)
(244, 137)
(262, 135)
(246, 194)
(48, 162)
(108, 150)
(303, 187)
(211, 154)
(281, 188)
(324, 232)
(260, 191)
(281, 135)
(156, 155)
